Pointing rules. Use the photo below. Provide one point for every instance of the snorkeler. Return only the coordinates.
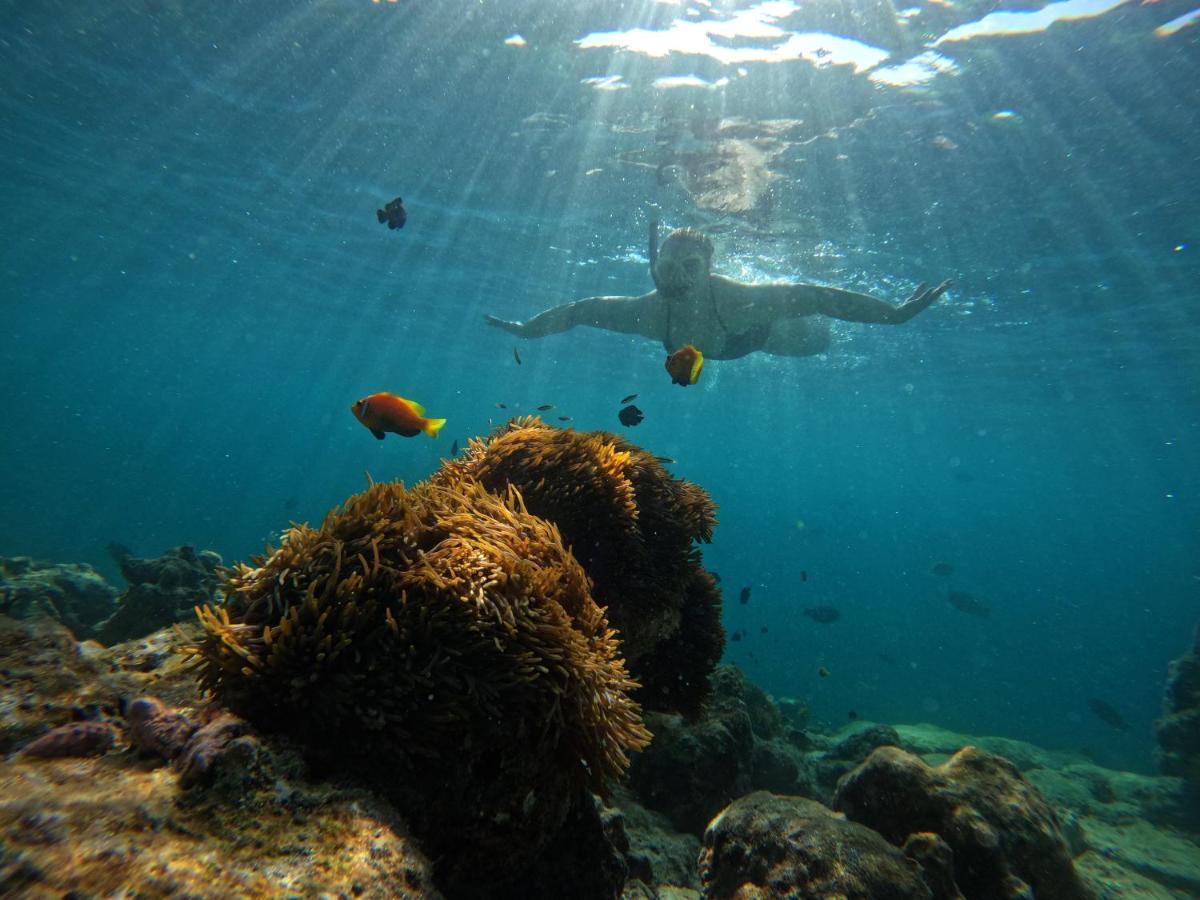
(723, 318)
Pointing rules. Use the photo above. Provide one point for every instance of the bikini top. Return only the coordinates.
(736, 344)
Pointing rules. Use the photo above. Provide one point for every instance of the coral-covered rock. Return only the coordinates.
(764, 845)
(1006, 840)
(442, 644)
(161, 591)
(73, 739)
(633, 527)
(71, 593)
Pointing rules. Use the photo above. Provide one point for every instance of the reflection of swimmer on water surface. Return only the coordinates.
(723, 318)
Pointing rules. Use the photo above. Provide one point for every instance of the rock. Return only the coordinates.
(936, 860)
(691, 770)
(71, 593)
(657, 855)
(694, 768)
(73, 739)
(1178, 731)
(730, 687)
(110, 827)
(1170, 859)
(1006, 839)
(157, 730)
(161, 592)
(764, 845)
(196, 762)
(1092, 790)
(849, 749)
(932, 742)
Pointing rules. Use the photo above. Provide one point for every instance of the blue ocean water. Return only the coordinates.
(195, 289)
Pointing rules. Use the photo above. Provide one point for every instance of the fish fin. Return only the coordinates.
(382, 216)
(416, 407)
(433, 426)
(696, 367)
(379, 434)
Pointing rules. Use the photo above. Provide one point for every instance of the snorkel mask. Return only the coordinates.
(683, 263)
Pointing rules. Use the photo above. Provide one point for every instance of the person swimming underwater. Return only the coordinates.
(723, 318)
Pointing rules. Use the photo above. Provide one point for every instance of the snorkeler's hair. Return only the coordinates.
(693, 237)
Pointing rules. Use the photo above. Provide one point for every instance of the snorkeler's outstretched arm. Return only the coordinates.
(628, 315)
(789, 300)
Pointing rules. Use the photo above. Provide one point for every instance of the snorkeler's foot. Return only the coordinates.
(509, 326)
(922, 298)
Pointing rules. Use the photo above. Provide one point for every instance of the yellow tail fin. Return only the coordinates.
(433, 426)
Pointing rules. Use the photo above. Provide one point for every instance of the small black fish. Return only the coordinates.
(942, 568)
(887, 658)
(763, 630)
(966, 602)
(564, 418)
(716, 575)
(744, 596)
(666, 460)
(823, 614)
(1107, 714)
(545, 406)
(454, 449)
(628, 399)
(501, 406)
(804, 574)
(962, 476)
(824, 672)
(736, 636)
(852, 715)
(393, 214)
(630, 416)
(516, 356)
(290, 503)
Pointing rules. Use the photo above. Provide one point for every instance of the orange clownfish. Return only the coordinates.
(685, 365)
(384, 412)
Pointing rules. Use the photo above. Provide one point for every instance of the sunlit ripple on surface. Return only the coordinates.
(998, 24)
(713, 38)
(1169, 28)
(921, 69)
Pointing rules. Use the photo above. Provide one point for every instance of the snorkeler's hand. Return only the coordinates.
(921, 299)
(517, 328)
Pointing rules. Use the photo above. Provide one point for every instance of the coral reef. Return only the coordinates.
(71, 593)
(1006, 840)
(257, 821)
(1178, 731)
(161, 591)
(764, 846)
(442, 643)
(632, 526)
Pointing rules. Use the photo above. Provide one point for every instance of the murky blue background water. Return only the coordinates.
(195, 288)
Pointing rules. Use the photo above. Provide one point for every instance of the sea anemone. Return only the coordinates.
(442, 643)
(633, 527)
